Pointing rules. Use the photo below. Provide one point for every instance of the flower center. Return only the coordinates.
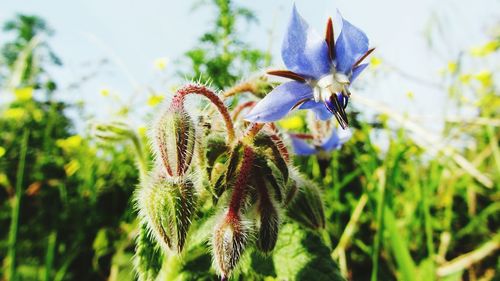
(330, 84)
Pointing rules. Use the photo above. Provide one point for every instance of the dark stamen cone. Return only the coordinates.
(173, 139)
(337, 110)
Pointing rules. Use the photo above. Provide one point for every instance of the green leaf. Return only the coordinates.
(301, 255)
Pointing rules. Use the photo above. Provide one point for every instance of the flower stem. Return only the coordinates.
(251, 132)
(239, 190)
(240, 88)
(275, 137)
(16, 207)
(240, 108)
(178, 100)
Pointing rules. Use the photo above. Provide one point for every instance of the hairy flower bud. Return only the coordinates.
(306, 207)
(147, 258)
(173, 139)
(231, 237)
(167, 207)
(268, 222)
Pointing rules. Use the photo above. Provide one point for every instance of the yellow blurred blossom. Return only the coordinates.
(292, 123)
(486, 49)
(72, 167)
(104, 92)
(24, 94)
(464, 99)
(375, 62)
(485, 77)
(70, 144)
(465, 78)
(15, 113)
(37, 115)
(142, 130)
(161, 63)
(154, 100)
(452, 67)
(4, 180)
(410, 95)
(2, 151)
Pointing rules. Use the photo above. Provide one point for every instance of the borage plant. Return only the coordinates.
(233, 192)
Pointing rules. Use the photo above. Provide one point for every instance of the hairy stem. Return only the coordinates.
(239, 190)
(178, 100)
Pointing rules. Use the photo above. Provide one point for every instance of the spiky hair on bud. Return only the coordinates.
(148, 257)
(167, 206)
(172, 138)
(267, 219)
(232, 234)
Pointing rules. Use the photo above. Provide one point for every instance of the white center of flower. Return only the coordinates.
(328, 85)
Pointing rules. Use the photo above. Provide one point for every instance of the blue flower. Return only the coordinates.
(322, 70)
(333, 142)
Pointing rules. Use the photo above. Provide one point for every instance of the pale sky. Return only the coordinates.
(132, 34)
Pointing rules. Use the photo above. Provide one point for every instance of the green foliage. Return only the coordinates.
(221, 56)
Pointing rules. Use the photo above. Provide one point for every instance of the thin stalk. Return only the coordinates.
(142, 165)
(494, 147)
(406, 266)
(49, 257)
(380, 225)
(346, 238)
(16, 207)
(427, 222)
(466, 260)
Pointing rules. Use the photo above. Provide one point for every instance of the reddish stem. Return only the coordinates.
(178, 100)
(239, 190)
(279, 142)
(252, 131)
(240, 88)
(240, 108)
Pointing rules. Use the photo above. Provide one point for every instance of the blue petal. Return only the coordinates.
(301, 147)
(319, 109)
(309, 104)
(322, 113)
(303, 50)
(333, 142)
(357, 70)
(350, 46)
(279, 102)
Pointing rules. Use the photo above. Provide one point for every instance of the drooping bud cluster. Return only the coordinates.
(249, 179)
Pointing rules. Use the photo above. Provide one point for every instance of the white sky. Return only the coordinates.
(134, 33)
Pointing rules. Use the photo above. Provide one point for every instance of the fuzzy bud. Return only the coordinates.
(167, 207)
(268, 223)
(231, 237)
(306, 207)
(173, 138)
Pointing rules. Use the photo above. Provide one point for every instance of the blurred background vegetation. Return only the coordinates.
(402, 202)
